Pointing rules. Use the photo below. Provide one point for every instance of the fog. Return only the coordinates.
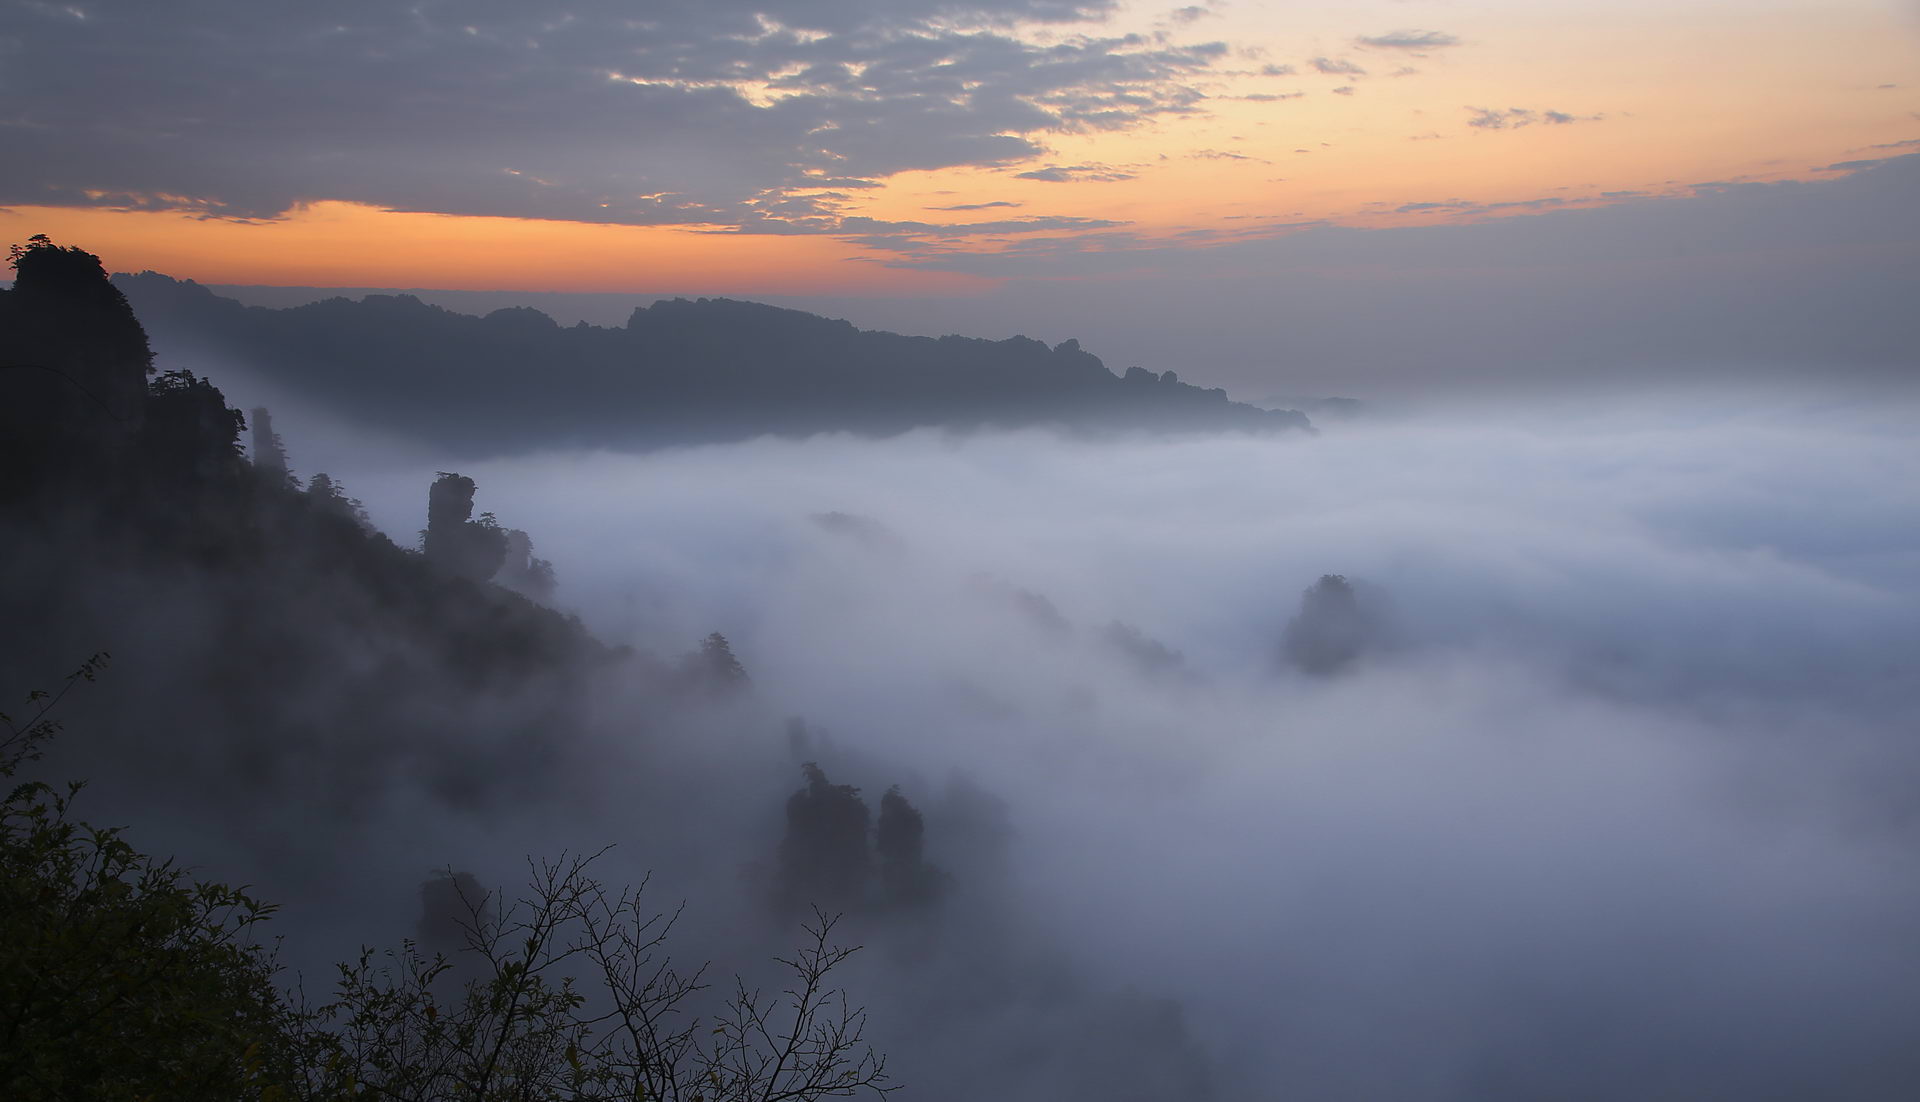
(1616, 799)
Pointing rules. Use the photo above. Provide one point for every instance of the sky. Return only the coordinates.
(980, 155)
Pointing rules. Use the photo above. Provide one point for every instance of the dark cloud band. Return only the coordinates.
(663, 113)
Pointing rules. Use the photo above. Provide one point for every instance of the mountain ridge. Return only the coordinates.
(680, 371)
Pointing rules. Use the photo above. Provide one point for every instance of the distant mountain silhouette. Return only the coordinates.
(679, 372)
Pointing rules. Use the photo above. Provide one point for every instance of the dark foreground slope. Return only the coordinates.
(679, 372)
(264, 627)
(312, 705)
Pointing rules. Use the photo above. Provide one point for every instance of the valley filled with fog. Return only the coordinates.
(960, 551)
(1611, 791)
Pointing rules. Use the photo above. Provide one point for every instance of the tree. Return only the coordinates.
(1331, 630)
(326, 497)
(714, 667)
(524, 1027)
(823, 856)
(523, 573)
(899, 838)
(269, 454)
(120, 977)
(191, 438)
(716, 654)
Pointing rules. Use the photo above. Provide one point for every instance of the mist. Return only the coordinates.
(1615, 796)
(786, 469)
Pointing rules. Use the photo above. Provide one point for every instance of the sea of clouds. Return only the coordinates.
(1622, 800)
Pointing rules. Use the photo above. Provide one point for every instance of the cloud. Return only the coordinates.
(1858, 164)
(1514, 118)
(1336, 67)
(1344, 90)
(1087, 173)
(1270, 97)
(1463, 206)
(1756, 281)
(692, 115)
(1276, 70)
(1486, 118)
(919, 242)
(1646, 690)
(1409, 40)
(1192, 13)
(977, 206)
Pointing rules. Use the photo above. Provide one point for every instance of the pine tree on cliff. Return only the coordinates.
(190, 439)
(326, 496)
(718, 661)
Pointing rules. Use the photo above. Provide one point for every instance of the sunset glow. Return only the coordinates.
(1210, 124)
(348, 244)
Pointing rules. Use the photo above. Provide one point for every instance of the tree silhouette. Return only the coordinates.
(899, 838)
(522, 572)
(122, 978)
(190, 438)
(713, 668)
(328, 498)
(522, 1026)
(1331, 629)
(823, 857)
(269, 454)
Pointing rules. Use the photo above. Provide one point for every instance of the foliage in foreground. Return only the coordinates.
(121, 977)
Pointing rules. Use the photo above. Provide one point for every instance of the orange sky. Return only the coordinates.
(1661, 96)
(333, 244)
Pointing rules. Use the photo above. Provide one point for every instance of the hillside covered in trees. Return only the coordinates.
(679, 372)
(136, 525)
(277, 667)
(287, 689)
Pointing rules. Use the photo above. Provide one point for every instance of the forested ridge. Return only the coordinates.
(678, 372)
(215, 619)
(242, 651)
